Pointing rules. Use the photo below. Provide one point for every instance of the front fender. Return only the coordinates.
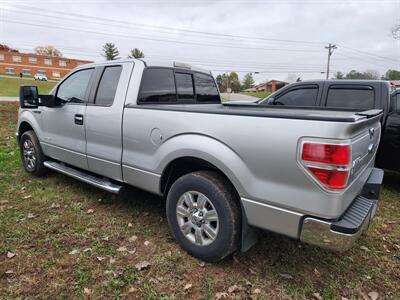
(33, 120)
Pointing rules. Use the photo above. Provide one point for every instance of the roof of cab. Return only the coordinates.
(150, 63)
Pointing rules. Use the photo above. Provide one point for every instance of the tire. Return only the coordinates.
(210, 227)
(32, 156)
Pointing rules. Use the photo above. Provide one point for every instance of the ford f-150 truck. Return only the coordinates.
(223, 169)
(348, 95)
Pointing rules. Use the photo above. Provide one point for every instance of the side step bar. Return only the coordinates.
(94, 180)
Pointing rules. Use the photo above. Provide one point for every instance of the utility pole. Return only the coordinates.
(330, 48)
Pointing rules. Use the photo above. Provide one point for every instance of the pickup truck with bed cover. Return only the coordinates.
(351, 95)
(225, 170)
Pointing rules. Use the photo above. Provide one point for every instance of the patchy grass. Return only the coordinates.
(9, 87)
(67, 237)
(260, 95)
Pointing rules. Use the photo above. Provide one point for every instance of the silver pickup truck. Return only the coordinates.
(225, 170)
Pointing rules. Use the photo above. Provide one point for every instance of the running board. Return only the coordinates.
(100, 182)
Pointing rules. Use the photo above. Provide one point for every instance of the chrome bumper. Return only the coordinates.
(341, 234)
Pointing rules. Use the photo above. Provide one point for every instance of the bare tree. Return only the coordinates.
(48, 51)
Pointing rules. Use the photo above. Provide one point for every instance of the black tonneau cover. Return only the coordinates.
(316, 113)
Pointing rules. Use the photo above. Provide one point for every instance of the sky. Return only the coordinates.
(273, 39)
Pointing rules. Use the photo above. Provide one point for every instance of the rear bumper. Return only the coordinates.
(341, 234)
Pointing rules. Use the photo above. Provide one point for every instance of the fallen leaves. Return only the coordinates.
(317, 296)
(146, 243)
(87, 291)
(187, 287)
(142, 265)
(286, 276)
(133, 239)
(73, 252)
(11, 254)
(90, 211)
(221, 295)
(373, 295)
(364, 248)
(233, 288)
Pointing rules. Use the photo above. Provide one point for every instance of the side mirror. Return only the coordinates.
(47, 100)
(28, 97)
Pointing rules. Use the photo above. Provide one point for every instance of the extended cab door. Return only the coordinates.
(104, 119)
(64, 125)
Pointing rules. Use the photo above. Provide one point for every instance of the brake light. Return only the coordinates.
(329, 164)
(326, 153)
(332, 179)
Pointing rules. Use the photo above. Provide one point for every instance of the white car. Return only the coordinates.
(40, 77)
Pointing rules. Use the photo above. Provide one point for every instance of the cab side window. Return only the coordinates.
(206, 89)
(305, 96)
(74, 88)
(108, 86)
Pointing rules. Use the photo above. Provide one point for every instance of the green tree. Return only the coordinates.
(369, 74)
(110, 51)
(136, 53)
(392, 75)
(234, 82)
(339, 75)
(220, 82)
(248, 81)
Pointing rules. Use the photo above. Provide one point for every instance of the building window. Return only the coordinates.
(56, 74)
(9, 70)
(1, 56)
(47, 61)
(32, 60)
(26, 72)
(41, 72)
(16, 58)
(62, 63)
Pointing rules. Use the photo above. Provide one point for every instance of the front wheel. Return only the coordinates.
(204, 215)
(31, 154)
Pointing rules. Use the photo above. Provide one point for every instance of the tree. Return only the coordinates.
(4, 47)
(369, 74)
(339, 75)
(110, 51)
(136, 53)
(48, 51)
(234, 82)
(248, 81)
(220, 82)
(396, 32)
(392, 75)
(293, 77)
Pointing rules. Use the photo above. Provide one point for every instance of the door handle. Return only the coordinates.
(79, 119)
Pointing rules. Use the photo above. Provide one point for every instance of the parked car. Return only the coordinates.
(40, 77)
(351, 94)
(223, 169)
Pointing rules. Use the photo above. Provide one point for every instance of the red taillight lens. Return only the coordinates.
(326, 153)
(332, 179)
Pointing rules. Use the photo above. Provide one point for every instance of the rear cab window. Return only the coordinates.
(175, 86)
(300, 96)
(354, 97)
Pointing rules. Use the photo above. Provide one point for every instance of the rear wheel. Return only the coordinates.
(31, 154)
(204, 215)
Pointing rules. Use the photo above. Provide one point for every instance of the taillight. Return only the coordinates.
(329, 164)
(326, 153)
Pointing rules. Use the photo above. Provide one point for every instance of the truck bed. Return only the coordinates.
(317, 114)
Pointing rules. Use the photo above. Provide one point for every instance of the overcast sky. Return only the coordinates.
(275, 38)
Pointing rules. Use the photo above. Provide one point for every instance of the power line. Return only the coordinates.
(155, 39)
(86, 17)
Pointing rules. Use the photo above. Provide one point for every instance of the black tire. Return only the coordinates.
(224, 201)
(37, 168)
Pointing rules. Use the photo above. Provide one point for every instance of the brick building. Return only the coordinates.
(270, 86)
(30, 64)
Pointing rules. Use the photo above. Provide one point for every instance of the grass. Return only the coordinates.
(9, 87)
(42, 220)
(260, 95)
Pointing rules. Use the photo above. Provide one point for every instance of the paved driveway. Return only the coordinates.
(238, 97)
(9, 99)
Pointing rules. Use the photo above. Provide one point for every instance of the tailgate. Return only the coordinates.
(364, 147)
